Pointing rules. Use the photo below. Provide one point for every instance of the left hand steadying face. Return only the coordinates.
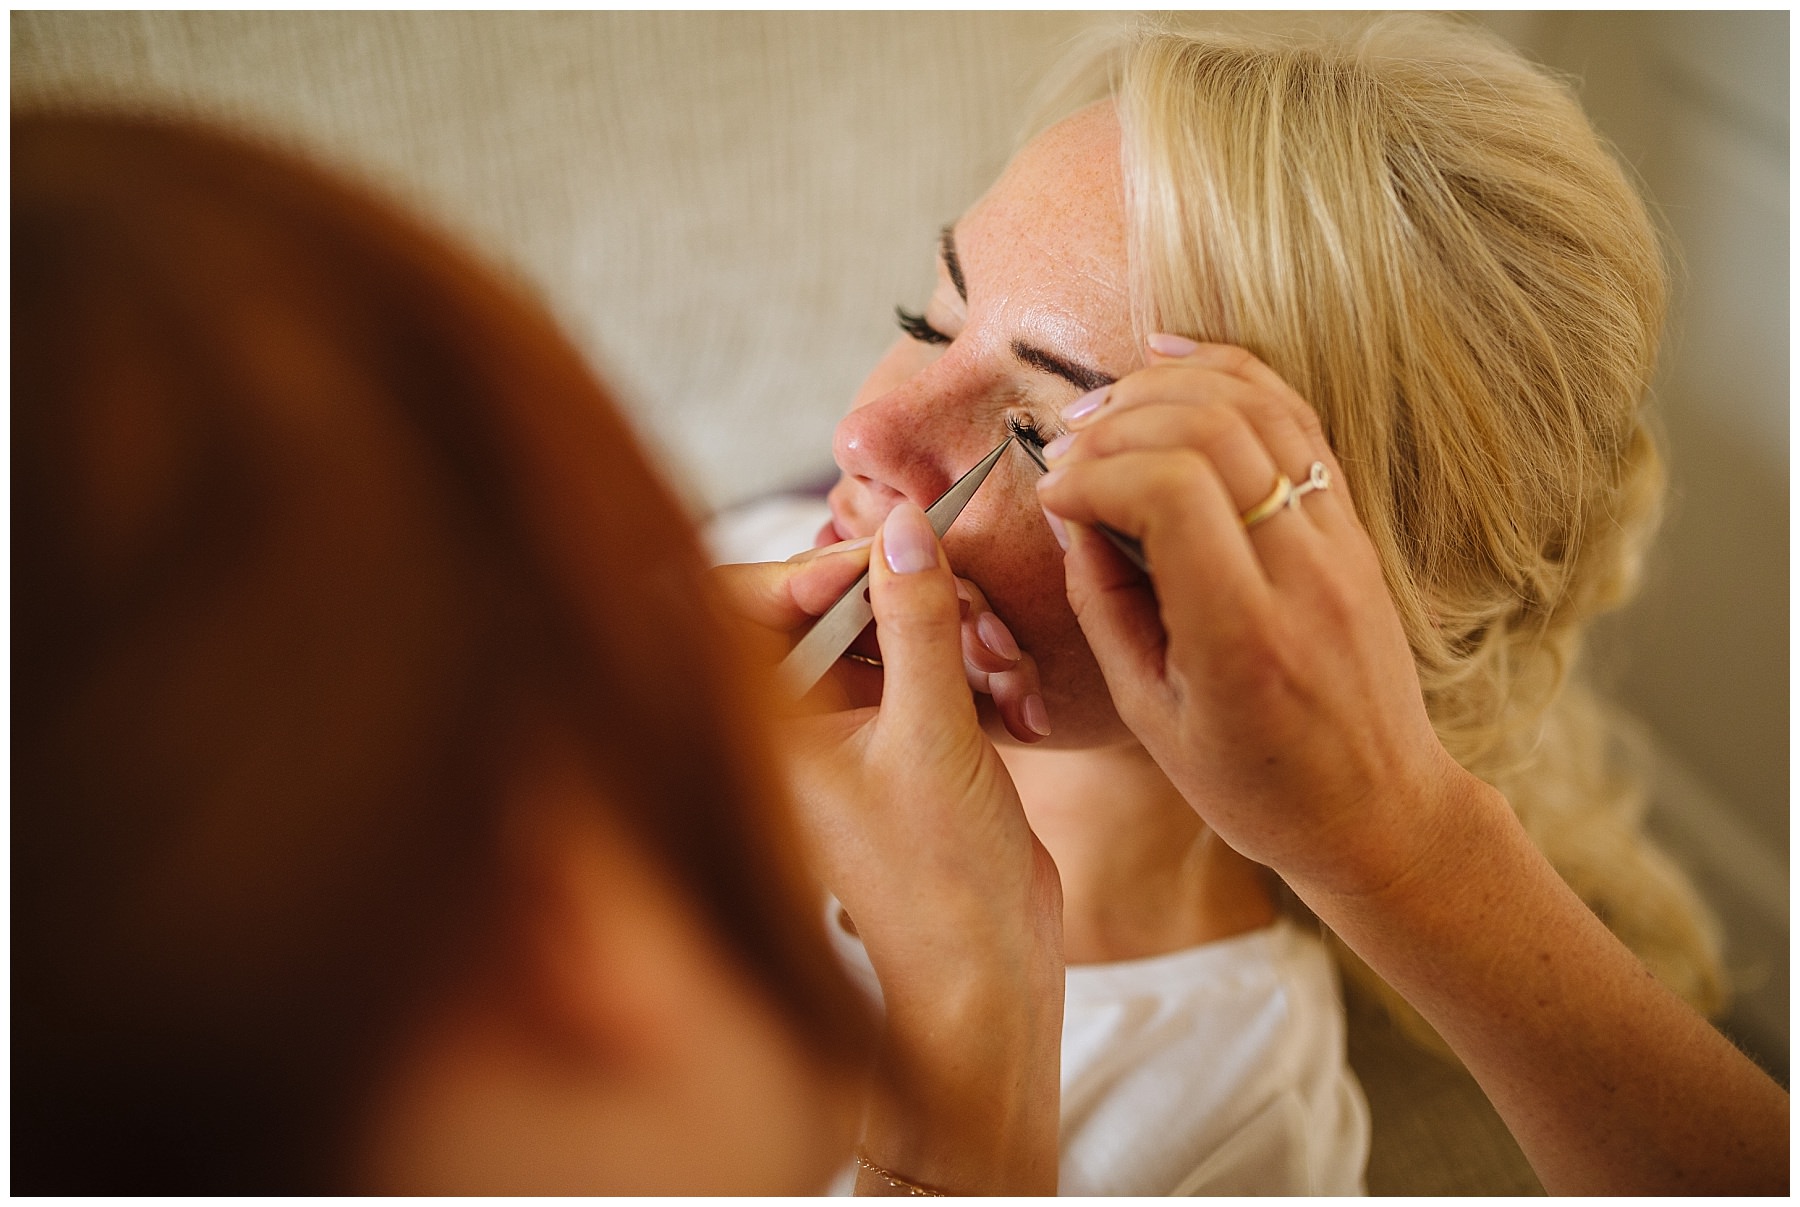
(1268, 673)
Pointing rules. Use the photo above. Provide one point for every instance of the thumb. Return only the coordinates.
(1117, 612)
(785, 596)
(918, 621)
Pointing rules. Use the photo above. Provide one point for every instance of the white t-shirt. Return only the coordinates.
(1215, 1070)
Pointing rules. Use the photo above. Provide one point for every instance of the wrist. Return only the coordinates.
(1419, 854)
(970, 1029)
(969, 1088)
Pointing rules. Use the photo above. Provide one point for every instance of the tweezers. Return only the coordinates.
(808, 661)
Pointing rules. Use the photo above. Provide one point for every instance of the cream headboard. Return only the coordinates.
(722, 208)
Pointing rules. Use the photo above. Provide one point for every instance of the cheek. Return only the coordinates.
(1009, 553)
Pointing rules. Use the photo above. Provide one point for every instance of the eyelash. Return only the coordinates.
(1025, 428)
(915, 326)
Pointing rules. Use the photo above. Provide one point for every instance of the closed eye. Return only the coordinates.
(915, 326)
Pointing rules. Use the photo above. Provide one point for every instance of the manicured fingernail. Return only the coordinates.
(1037, 717)
(1086, 405)
(1172, 345)
(1058, 531)
(1060, 446)
(993, 633)
(907, 540)
(861, 542)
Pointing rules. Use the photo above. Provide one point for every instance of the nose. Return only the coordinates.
(905, 442)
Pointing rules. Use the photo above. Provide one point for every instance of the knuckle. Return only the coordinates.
(1104, 438)
(977, 600)
(1302, 415)
(918, 607)
(1187, 470)
(1259, 667)
(1233, 423)
(1334, 601)
(1236, 360)
(1182, 479)
(1262, 407)
(1126, 393)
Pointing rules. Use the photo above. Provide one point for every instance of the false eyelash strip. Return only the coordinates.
(1025, 429)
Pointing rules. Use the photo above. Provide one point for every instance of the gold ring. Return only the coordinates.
(1278, 498)
(865, 659)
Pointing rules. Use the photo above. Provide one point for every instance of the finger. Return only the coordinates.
(823, 575)
(787, 595)
(988, 645)
(1118, 614)
(1289, 426)
(1252, 434)
(1296, 441)
(1158, 383)
(1249, 439)
(1174, 502)
(1225, 360)
(1013, 686)
(1020, 703)
(1229, 359)
(1222, 432)
(919, 625)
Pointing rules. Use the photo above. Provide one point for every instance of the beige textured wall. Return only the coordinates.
(723, 209)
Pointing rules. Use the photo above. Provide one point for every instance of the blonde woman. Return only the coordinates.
(1413, 240)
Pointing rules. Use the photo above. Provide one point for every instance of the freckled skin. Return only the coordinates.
(1043, 255)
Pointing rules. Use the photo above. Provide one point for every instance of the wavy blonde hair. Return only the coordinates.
(1422, 233)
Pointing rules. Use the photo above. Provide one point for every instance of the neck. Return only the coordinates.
(1142, 875)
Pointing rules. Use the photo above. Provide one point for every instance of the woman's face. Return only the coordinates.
(1030, 312)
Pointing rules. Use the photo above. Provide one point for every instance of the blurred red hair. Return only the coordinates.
(312, 518)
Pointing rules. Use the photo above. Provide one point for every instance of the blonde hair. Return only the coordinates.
(1421, 232)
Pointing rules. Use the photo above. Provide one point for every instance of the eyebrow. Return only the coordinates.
(1084, 378)
(1081, 376)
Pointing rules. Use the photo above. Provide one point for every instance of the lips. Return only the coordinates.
(839, 527)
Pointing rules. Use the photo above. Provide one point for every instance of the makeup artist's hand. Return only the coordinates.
(781, 600)
(914, 823)
(1268, 674)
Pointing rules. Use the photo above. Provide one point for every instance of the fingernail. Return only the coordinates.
(1037, 717)
(861, 542)
(1058, 531)
(907, 540)
(1171, 345)
(1060, 446)
(1086, 405)
(993, 633)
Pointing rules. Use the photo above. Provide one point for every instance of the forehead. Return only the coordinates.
(1049, 237)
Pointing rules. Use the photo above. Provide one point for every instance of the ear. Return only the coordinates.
(597, 927)
(612, 1044)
